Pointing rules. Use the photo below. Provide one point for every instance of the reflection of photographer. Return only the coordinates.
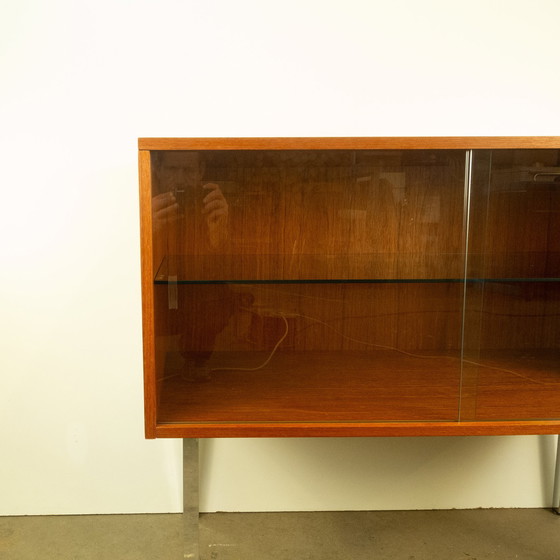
(215, 209)
(184, 196)
(192, 218)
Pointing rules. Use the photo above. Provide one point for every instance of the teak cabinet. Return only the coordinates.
(350, 286)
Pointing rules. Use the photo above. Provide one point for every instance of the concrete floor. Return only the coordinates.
(499, 534)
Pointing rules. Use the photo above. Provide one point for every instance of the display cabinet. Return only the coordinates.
(350, 286)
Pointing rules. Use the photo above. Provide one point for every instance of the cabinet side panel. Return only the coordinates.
(146, 243)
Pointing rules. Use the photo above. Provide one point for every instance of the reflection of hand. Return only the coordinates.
(216, 211)
(164, 208)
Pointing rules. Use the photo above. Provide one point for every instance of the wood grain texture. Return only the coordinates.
(364, 143)
(314, 386)
(356, 429)
(381, 237)
(147, 274)
(360, 387)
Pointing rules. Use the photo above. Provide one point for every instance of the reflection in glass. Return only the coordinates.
(301, 285)
(512, 334)
(336, 285)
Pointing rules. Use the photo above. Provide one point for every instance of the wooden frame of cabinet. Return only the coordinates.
(231, 416)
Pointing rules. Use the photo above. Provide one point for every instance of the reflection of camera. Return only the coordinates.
(179, 194)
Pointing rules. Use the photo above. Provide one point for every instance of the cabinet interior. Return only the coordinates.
(355, 285)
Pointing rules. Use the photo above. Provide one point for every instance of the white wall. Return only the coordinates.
(80, 81)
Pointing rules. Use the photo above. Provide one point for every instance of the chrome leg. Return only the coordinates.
(190, 498)
(556, 493)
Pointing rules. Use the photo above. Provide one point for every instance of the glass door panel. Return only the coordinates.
(511, 367)
(308, 286)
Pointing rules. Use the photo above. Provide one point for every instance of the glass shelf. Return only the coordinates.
(309, 268)
(372, 268)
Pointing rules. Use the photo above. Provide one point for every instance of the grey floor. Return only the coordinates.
(498, 534)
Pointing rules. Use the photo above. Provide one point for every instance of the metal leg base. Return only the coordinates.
(556, 492)
(190, 498)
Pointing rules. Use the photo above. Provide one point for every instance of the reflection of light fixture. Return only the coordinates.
(547, 176)
(519, 179)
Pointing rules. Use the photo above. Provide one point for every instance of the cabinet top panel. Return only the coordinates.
(361, 143)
